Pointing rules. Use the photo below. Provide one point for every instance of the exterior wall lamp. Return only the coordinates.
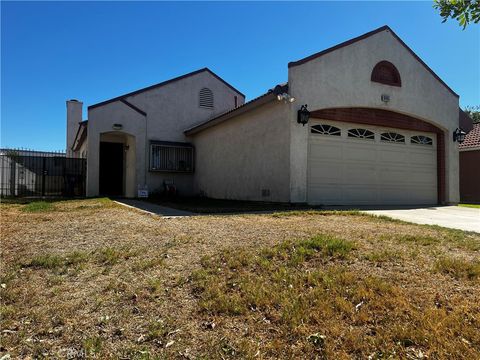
(303, 115)
(459, 135)
(287, 98)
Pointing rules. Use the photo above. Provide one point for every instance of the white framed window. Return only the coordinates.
(392, 137)
(325, 129)
(171, 157)
(205, 98)
(421, 140)
(361, 134)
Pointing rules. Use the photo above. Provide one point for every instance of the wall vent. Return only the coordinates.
(206, 98)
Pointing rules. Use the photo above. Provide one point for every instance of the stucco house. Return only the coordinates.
(470, 166)
(379, 131)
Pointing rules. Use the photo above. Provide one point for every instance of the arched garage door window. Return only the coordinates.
(325, 130)
(361, 134)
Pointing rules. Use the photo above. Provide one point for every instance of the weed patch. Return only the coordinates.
(111, 256)
(309, 295)
(38, 206)
(55, 261)
(458, 268)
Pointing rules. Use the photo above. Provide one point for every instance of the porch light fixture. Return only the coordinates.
(117, 126)
(303, 115)
(459, 135)
(285, 97)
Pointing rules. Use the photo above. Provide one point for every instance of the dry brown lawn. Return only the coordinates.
(93, 279)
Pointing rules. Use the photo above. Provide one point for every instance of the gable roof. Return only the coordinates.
(464, 121)
(364, 36)
(472, 139)
(80, 136)
(250, 105)
(122, 97)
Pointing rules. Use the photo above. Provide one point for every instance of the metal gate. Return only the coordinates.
(29, 173)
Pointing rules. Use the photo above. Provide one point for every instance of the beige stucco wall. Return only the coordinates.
(74, 116)
(243, 155)
(170, 110)
(342, 79)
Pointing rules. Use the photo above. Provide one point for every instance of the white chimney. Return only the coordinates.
(74, 117)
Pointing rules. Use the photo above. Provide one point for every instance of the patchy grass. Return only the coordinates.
(111, 256)
(38, 206)
(475, 206)
(54, 261)
(318, 305)
(383, 256)
(99, 280)
(458, 268)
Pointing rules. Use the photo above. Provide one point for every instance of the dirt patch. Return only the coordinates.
(91, 277)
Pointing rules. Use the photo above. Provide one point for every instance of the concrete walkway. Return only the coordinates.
(455, 217)
(153, 209)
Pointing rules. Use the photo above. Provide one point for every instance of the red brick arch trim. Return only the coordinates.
(380, 117)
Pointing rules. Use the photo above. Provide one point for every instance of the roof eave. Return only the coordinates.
(82, 131)
(241, 110)
(163, 83)
(364, 36)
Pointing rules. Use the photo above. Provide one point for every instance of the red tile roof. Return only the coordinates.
(472, 140)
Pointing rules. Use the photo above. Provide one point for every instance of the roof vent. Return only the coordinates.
(206, 98)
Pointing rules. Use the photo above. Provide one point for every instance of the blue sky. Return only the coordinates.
(92, 51)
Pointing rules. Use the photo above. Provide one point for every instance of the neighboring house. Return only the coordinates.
(470, 166)
(380, 132)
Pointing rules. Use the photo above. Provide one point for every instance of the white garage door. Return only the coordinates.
(354, 164)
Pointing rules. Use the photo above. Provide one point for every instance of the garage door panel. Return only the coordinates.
(422, 195)
(360, 173)
(398, 155)
(326, 151)
(423, 157)
(392, 195)
(360, 153)
(356, 171)
(360, 194)
(325, 172)
(328, 193)
(423, 179)
(393, 175)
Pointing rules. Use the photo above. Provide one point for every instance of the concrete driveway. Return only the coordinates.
(455, 217)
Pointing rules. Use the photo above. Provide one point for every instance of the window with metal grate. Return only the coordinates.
(171, 158)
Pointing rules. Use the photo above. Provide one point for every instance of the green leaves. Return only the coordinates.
(464, 11)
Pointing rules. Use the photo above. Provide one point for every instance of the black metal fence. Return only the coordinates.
(33, 173)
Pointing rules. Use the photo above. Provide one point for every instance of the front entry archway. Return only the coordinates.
(117, 164)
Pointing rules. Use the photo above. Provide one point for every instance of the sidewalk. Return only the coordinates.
(153, 209)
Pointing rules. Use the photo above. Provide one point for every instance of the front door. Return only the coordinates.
(111, 168)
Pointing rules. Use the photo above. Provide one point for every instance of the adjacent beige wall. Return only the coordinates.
(342, 79)
(170, 110)
(74, 116)
(240, 157)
